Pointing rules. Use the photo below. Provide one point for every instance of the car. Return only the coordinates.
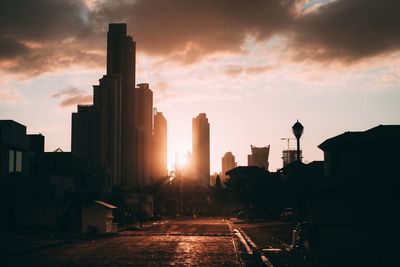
(287, 214)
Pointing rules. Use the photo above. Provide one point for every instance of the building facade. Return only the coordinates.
(115, 133)
(259, 157)
(228, 163)
(144, 128)
(290, 155)
(159, 146)
(201, 149)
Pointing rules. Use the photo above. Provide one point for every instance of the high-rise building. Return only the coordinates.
(144, 129)
(159, 146)
(121, 55)
(112, 123)
(121, 67)
(228, 163)
(82, 131)
(201, 149)
(115, 133)
(259, 157)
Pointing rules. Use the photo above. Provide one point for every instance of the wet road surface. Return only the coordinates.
(206, 242)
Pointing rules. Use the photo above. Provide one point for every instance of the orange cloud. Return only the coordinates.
(72, 97)
(43, 35)
(76, 100)
(235, 70)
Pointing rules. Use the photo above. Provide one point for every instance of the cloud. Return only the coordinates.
(348, 31)
(72, 97)
(76, 100)
(40, 36)
(234, 70)
(10, 48)
(208, 26)
(9, 95)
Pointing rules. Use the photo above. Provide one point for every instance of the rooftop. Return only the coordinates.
(381, 134)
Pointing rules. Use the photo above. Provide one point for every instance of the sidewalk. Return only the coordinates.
(270, 241)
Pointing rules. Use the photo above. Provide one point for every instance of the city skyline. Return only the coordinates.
(199, 132)
(253, 78)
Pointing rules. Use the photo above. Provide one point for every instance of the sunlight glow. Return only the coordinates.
(182, 160)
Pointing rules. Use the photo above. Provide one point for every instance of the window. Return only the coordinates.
(18, 161)
(11, 160)
(14, 161)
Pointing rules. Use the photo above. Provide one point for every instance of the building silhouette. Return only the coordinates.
(159, 146)
(33, 183)
(228, 163)
(201, 149)
(259, 157)
(289, 155)
(114, 135)
(364, 157)
(144, 128)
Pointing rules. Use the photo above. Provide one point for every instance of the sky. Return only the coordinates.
(253, 66)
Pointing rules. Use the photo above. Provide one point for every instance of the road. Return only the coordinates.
(201, 242)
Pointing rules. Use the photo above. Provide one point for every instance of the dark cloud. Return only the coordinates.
(72, 97)
(348, 30)
(41, 35)
(10, 48)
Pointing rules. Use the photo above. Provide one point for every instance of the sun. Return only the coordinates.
(182, 160)
(178, 154)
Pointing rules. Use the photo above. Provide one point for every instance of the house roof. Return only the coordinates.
(246, 170)
(292, 165)
(10, 123)
(105, 204)
(381, 134)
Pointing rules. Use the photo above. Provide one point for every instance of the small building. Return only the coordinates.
(98, 216)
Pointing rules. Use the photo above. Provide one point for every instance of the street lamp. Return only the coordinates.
(297, 129)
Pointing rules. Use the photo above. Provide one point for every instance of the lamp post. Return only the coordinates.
(297, 129)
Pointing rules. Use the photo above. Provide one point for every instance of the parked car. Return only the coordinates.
(287, 214)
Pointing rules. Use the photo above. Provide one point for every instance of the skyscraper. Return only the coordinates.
(121, 55)
(201, 149)
(115, 133)
(144, 128)
(159, 146)
(228, 163)
(121, 66)
(112, 118)
(84, 138)
(259, 157)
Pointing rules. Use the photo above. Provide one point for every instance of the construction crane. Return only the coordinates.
(288, 141)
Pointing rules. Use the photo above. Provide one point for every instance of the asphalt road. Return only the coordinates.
(201, 242)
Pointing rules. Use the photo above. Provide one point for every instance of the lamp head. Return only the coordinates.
(297, 129)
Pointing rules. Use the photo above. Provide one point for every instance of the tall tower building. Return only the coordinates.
(228, 163)
(121, 67)
(159, 146)
(83, 136)
(121, 55)
(144, 129)
(113, 115)
(201, 149)
(259, 157)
